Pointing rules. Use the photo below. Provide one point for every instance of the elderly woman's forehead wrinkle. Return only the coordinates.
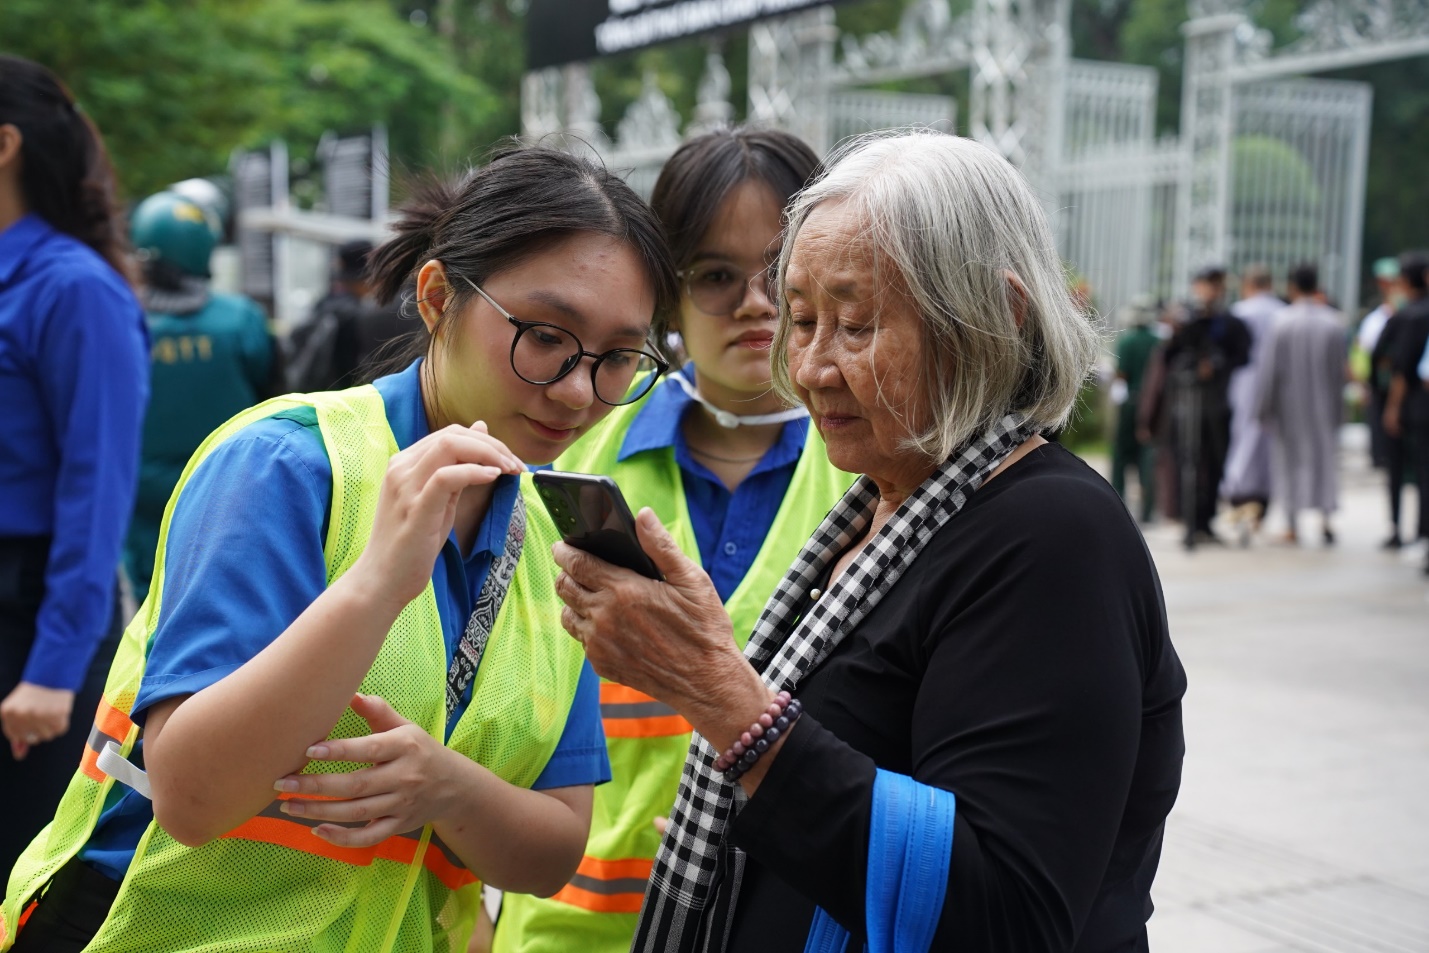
(840, 263)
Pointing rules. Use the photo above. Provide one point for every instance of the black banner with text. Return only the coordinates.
(567, 31)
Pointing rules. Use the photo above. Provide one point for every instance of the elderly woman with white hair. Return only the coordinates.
(957, 724)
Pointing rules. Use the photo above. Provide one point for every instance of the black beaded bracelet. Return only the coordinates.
(745, 752)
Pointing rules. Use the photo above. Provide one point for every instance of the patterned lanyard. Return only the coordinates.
(488, 604)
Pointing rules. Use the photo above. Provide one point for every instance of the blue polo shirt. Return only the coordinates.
(74, 381)
(245, 558)
(727, 546)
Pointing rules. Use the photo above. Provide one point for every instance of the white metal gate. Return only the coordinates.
(1298, 178)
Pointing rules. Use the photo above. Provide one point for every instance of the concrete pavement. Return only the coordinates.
(1303, 819)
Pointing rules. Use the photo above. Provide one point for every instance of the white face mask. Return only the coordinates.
(726, 419)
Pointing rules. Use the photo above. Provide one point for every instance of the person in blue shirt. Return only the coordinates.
(255, 655)
(73, 385)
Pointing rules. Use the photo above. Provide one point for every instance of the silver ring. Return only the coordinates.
(32, 739)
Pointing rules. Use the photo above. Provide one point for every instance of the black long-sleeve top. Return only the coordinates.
(1023, 663)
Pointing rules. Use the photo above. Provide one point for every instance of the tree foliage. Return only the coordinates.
(176, 87)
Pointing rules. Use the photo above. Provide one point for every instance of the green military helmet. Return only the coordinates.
(206, 194)
(170, 228)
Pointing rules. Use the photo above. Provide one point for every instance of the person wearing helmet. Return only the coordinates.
(211, 357)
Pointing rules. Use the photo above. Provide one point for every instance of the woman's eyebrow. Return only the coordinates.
(553, 300)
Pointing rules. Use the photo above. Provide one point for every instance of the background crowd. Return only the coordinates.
(1231, 408)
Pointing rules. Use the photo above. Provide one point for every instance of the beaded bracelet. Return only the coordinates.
(783, 711)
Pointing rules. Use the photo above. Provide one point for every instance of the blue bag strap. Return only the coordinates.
(825, 935)
(910, 847)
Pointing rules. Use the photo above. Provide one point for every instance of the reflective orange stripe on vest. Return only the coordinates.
(110, 724)
(272, 826)
(607, 886)
(627, 713)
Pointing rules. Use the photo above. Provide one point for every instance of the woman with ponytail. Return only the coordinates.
(74, 365)
(347, 700)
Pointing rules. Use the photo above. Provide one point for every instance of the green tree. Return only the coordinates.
(176, 87)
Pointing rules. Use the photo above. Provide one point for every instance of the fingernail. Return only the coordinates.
(286, 785)
(295, 808)
(317, 751)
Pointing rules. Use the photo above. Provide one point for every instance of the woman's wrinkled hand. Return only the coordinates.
(671, 640)
(417, 506)
(408, 785)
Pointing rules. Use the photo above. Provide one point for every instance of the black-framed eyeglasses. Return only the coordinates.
(544, 353)
(717, 288)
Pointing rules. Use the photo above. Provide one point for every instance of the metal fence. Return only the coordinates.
(1116, 222)
(1298, 178)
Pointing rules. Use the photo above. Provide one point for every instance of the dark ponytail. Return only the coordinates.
(65, 177)
(497, 216)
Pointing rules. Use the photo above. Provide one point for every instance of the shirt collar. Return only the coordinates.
(657, 421)
(657, 426)
(402, 395)
(16, 242)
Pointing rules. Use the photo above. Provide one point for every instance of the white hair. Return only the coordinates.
(972, 248)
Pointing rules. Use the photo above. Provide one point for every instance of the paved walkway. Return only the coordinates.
(1303, 819)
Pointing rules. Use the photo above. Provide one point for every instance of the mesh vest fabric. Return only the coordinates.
(269, 884)
(646, 739)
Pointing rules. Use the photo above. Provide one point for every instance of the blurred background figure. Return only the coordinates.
(1386, 277)
(1199, 360)
(1382, 355)
(1246, 484)
(212, 356)
(347, 329)
(1406, 412)
(73, 382)
(1300, 398)
(1135, 346)
(1153, 417)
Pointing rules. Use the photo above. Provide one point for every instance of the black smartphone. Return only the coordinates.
(591, 514)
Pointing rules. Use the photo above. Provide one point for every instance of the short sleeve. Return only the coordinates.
(580, 756)
(244, 557)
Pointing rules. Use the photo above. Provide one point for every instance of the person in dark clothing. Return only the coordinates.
(988, 701)
(1367, 335)
(347, 328)
(1135, 346)
(1406, 412)
(74, 379)
(1382, 370)
(1199, 360)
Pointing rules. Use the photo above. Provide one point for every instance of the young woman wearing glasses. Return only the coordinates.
(349, 685)
(735, 475)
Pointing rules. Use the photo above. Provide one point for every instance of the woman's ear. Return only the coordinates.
(11, 139)
(432, 293)
(1017, 297)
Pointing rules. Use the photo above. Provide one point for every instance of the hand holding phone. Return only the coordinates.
(591, 514)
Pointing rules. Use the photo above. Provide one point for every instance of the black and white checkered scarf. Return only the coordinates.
(696, 862)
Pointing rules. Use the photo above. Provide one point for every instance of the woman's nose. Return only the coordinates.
(757, 301)
(811, 366)
(576, 389)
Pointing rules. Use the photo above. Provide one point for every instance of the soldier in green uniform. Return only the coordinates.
(211, 356)
(1134, 347)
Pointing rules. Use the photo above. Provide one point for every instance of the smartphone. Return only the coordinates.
(591, 514)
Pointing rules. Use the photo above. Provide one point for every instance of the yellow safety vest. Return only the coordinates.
(270, 884)
(648, 740)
